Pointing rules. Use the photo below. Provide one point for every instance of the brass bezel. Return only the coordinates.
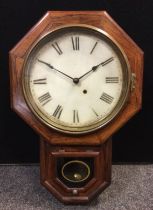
(101, 123)
(79, 162)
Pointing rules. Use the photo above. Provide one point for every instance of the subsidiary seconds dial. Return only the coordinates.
(76, 79)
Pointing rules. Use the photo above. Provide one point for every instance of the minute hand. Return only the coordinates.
(94, 68)
(52, 67)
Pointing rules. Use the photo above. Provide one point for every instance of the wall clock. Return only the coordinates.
(76, 78)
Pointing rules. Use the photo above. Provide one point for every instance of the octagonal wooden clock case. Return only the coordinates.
(76, 78)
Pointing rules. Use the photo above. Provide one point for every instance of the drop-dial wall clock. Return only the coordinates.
(76, 78)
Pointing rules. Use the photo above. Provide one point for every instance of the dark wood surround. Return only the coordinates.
(53, 144)
(101, 176)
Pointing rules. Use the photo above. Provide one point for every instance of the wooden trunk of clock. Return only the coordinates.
(97, 158)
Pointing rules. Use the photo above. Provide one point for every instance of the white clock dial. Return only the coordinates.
(76, 79)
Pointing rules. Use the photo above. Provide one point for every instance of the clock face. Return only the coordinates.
(76, 79)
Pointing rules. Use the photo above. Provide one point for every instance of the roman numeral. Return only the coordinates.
(45, 98)
(58, 111)
(93, 47)
(95, 112)
(40, 81)
(57, 48)
(75, 116)
(106, 98)
(75, 43)
(112, 79)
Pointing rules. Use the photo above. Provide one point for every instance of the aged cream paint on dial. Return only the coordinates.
(74, 79)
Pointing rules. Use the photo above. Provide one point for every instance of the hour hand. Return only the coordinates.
(47, 64)
(52, 67)
(94, 68)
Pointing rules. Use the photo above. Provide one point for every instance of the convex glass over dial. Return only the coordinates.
(76, 79)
